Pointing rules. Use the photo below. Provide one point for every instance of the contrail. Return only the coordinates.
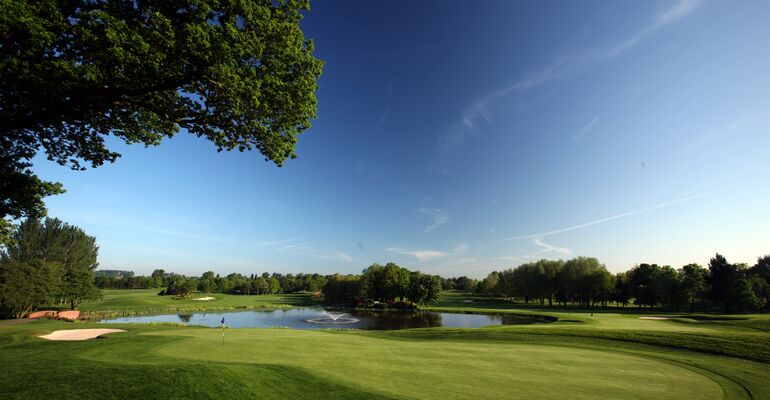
(614, 217)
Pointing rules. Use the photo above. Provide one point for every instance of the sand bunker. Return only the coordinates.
(204, 298)
(78, 334)
(655, 318)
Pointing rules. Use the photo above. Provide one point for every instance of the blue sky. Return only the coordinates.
(469, 137)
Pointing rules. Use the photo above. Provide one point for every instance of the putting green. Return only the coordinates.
(453, 370)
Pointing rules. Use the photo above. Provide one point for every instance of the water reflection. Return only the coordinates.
(391, 320)
(297, 318)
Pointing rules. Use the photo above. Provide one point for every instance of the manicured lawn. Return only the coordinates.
(147, 301)
(610, 356)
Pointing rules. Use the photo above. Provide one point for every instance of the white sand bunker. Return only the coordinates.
(204, 298)
(655, 318)
(79, 334)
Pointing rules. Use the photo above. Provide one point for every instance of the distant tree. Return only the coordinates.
(762, 268)
(417, 290)
(622, 289)
(602, 287)
(204, 286)
(395, 282)
(207, 282)
(239, 74)
(386, 283)
(180, 286)
(758, 277)
(159, 278)
(587, 280)
(423, 288)
(234, 282)
(642, 280)
(260, 286)
(761, 289)
(722, 275)
(466, 284)
(371, 281)
(693, 278)
(507, 283)
(433, 284)
(274, 285)
(342, 289)
(313, 283)
(550, 271)
(669, 289)
(526, 281)
(490, 284)
(114, 273)
(742, 297)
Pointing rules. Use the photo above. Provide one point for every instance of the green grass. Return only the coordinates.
(130, 302)
(611, 356)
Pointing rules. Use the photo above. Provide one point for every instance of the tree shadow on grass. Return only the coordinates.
(77, 379)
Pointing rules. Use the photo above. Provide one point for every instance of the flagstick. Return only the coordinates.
(223, 334)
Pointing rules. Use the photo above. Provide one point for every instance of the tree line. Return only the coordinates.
(209, 282)
(51, 262)
(46, 262)
(378, 284)
(383, 286)
(585, 282)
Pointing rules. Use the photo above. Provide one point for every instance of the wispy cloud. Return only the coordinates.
(564, 66)
(344, 257)
(667, 16)
(440, 217)
(268, 243)
(461, 248)
(295, 247)
(422, 255)
(724, 131)
(614, 217)
(383, 118)
(335, 256)
(547, 248)
(585, 129)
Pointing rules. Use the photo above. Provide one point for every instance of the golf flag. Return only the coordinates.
(223, 331)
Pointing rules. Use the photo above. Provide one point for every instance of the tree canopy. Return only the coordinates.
(48, 262)
(584, 282)
(238, 73)
(383, 285)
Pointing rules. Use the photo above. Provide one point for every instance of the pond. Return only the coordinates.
(318, 318)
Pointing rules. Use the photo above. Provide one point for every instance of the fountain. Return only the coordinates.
(332, 318)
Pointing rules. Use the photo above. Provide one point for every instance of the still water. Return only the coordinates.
(298, 318)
